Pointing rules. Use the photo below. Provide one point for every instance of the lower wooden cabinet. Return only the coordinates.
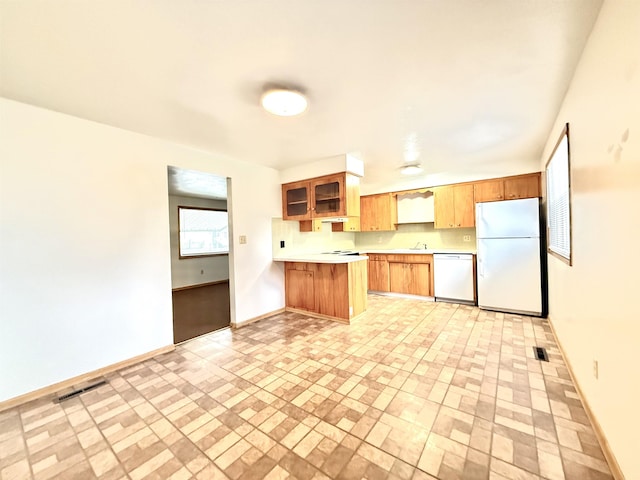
(378, 273)
(299, 289)
(411, 278)
(336, 290)
(399, 273)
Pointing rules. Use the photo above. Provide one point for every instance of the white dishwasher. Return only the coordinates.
(453, 277)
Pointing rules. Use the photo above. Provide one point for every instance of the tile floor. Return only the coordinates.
(412, 390)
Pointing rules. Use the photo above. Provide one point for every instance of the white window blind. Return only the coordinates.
(558, 200)
(203, 231)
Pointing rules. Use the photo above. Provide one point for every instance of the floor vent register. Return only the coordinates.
(80, 390)
(541, 354)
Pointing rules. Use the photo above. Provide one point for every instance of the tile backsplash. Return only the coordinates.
(406, 236)
(297, 242)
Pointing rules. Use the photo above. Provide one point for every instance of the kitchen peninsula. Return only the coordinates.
(329, 285)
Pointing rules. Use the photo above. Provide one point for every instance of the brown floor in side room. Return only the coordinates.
(412, 390)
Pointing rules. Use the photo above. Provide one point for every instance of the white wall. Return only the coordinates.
(347, 162)
(197, 270)
(85, 278)
(594, 303)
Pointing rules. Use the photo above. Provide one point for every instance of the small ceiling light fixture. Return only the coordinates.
(284, 102)
(411, 169)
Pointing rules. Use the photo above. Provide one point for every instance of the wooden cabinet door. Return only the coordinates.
(464, 206)
(444, 207)
(377, 212)
(368, 209)
(399, 277)
(331, 282)
(296, 202)
(299, 288)
(489, 191)
(526, 186)
(419, 279)
(454, 206)
(410, 278)
(378, 275)
(328, 196)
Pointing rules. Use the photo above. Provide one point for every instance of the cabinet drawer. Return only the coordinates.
(408, 258)
(376, 256)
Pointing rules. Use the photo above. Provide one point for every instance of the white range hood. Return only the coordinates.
(334, 220)
(416, 207)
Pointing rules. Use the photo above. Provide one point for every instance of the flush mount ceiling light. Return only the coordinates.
(284, 102)
(411, 169)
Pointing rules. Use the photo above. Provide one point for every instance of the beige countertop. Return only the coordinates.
(320, 258)
(416, 251)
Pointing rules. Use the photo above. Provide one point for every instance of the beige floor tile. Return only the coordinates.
(411, 390)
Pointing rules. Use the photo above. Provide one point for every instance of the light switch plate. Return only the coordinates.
(243, 239)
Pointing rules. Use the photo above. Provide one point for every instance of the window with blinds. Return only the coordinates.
(558, 179)
(203, 231)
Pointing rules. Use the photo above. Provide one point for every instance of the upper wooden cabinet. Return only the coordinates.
(522, 186)
(334, 195)
(454, 206)
(296, 200)
(508, 188)
(378, 212)
(489, 191)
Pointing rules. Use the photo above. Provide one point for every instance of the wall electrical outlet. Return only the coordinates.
(466, 238)
(595, 369)
(243, 239)
(281, 243)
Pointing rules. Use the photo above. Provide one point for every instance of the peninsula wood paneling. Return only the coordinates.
(336, 290)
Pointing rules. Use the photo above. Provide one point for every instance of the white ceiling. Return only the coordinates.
(472, 86)
(190, 183)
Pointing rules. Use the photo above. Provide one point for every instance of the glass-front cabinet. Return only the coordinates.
(296, 201)
(328, 196)
(321, 197)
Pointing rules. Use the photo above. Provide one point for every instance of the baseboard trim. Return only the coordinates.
(200, 285)
(244, 323)
(346, 321)
(602, 439)
(56, 387)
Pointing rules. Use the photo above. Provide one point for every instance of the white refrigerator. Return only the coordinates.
(509, 256)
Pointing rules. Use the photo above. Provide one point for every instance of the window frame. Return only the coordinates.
(199, 255)
(548, 168)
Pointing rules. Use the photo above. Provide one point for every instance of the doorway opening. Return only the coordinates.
(198, 201)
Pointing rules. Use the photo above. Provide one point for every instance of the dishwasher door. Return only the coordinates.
(453, 277)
